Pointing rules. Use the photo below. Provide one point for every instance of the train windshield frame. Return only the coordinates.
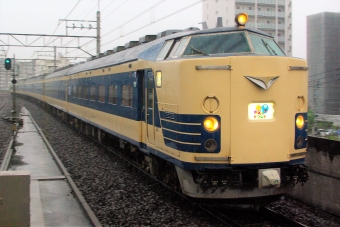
(218, 44)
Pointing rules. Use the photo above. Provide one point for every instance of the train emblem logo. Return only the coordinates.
(260, 112)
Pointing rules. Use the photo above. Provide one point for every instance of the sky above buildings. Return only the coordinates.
(121, 21)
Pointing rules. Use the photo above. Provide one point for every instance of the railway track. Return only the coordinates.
(4, 101)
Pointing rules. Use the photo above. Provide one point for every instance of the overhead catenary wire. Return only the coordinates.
(115, 9)
(158, 20)
(324, 72)
(107, 6)
(59, 23)
(96, 18)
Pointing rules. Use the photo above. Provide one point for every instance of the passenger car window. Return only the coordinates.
(80, 91)
(86, 94)
(127, 95)
(113, 94)
(74, 91)
(93, 93)
(101, 93)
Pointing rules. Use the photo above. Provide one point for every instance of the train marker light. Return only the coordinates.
(241, 19)
(159, 78)
(8, 63)
(210, 124)
(300, 122)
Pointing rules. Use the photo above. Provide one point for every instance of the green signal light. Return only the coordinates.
(8, 64)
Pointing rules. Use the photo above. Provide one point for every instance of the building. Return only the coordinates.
(271, 16)
(323, 55)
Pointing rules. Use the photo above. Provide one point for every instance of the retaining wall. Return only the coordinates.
(322, 190)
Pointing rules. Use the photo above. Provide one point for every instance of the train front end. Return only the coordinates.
(250, 128)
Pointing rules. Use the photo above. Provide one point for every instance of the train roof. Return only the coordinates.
(147, 51)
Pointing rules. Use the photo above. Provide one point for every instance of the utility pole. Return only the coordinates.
(14, 117)
(55, 57)
(89, 27)
(98, 32)
(98, 28)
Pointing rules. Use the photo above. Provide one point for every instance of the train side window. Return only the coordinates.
(93, 93)
(101, 94)
(74, 91)
(127, 95)
(180, 49)
(80, 91)
(162, 55)
(150, 93)
(174, 49)
(86, 93)
(113, 94)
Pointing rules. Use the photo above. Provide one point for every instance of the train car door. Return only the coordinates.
(149, 106)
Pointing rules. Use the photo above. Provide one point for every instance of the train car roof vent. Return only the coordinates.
(147, 38)
(108, 52)
(191, 29)
(100, 55)
(118, 48)
(204, 25)
(219, 22)
(167, 32)
(131, 44)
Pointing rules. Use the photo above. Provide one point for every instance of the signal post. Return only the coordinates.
(8, 66)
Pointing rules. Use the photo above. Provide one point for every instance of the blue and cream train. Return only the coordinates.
(224, 108)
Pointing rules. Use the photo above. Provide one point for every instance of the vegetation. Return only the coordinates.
(311, 121)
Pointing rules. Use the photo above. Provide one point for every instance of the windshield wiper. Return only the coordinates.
(268, 47)
(198, 51)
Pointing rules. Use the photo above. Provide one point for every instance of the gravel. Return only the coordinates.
(120, 195)
(6, 107)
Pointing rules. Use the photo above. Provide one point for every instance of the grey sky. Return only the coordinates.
(41, 17)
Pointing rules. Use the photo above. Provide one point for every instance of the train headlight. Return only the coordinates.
(300, 121)
(241, 19)
(211, 124)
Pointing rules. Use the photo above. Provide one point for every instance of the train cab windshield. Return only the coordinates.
(219, 44)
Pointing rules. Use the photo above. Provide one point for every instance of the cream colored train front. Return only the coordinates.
(225, 106)
(237, 119)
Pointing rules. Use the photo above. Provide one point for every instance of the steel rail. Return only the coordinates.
(279, 218)
(94, 220)
(8, 154)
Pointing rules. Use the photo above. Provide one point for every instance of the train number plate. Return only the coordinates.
(260, 111)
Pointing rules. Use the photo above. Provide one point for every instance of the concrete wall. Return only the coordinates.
(14, 198)
(322, 190)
